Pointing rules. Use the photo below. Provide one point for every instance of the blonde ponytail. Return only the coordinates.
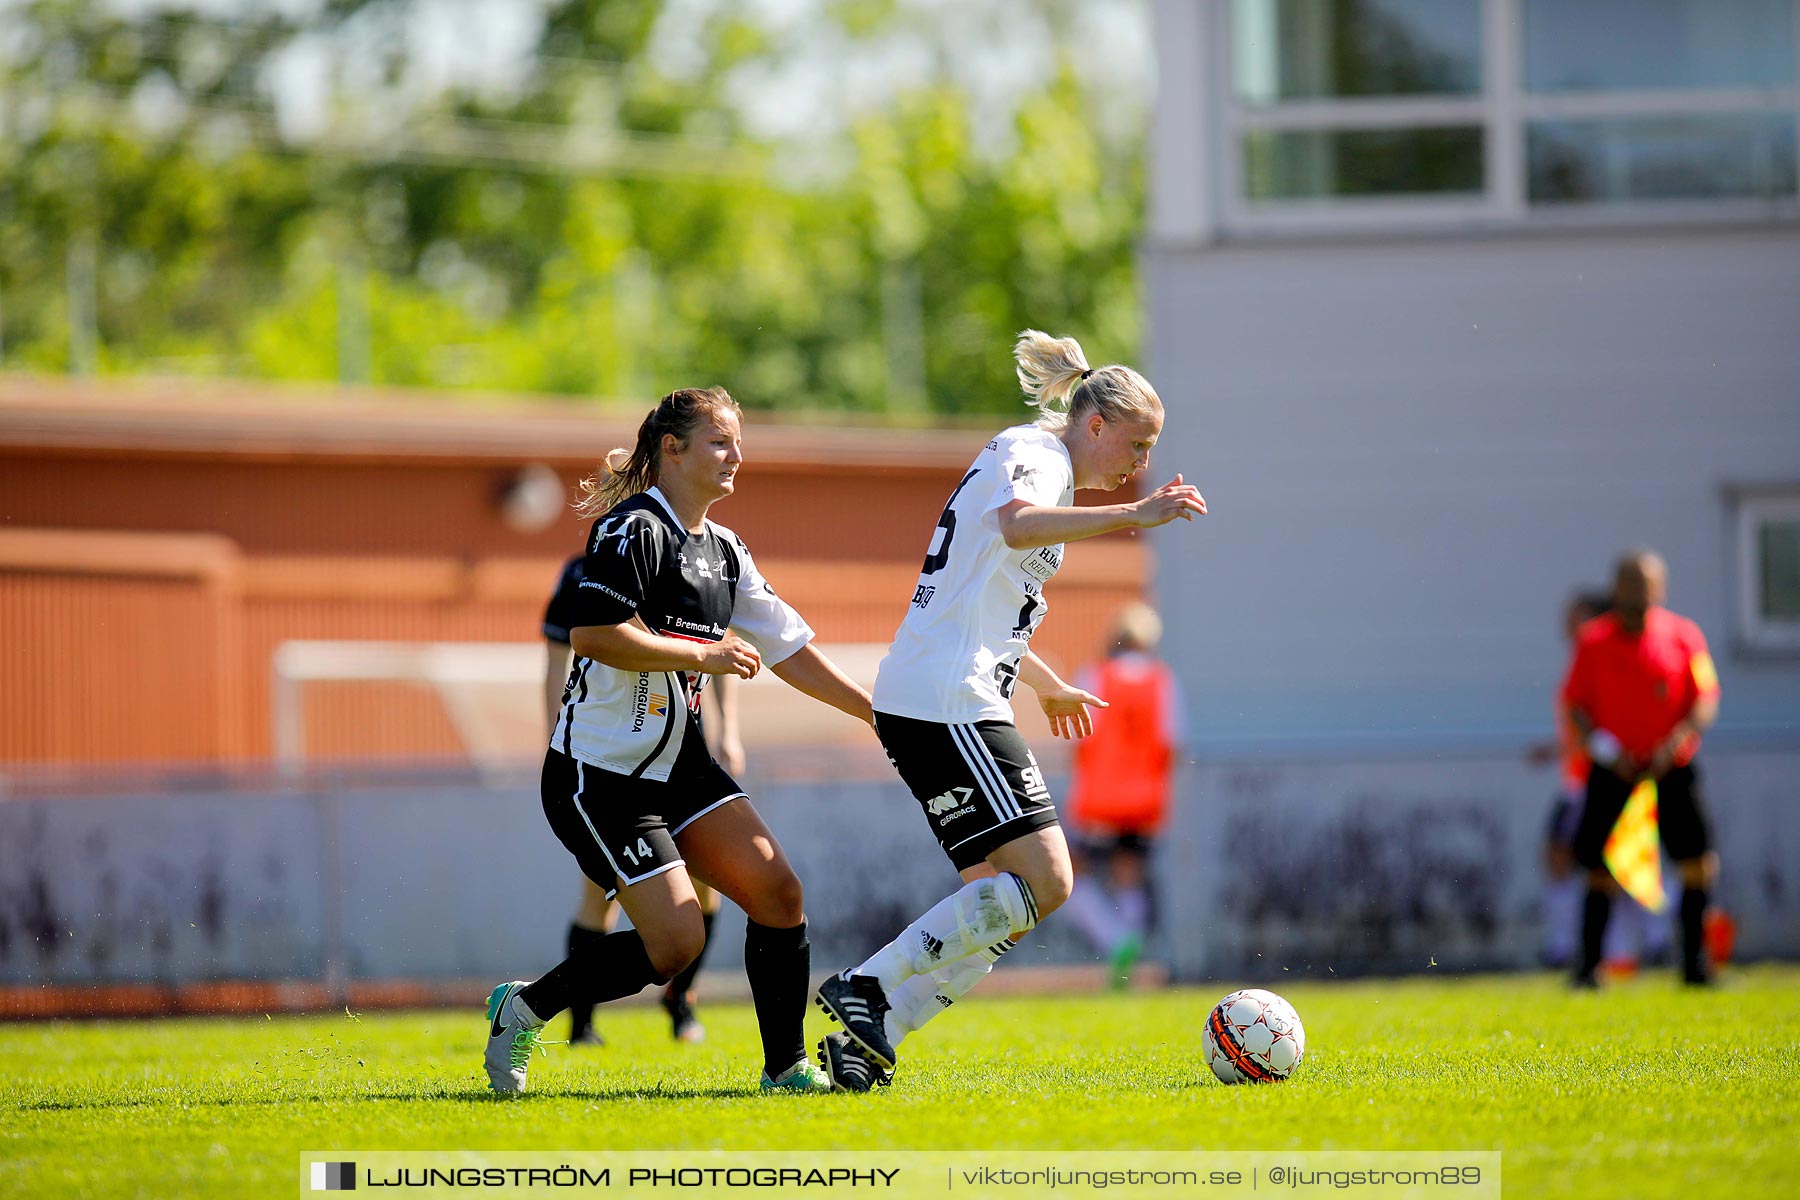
(1059, 383)
(1050, 369)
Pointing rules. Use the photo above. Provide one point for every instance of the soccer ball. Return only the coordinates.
(1253, 1036)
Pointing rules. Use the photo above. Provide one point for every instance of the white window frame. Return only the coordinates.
(1752, 508)
(1503, 108)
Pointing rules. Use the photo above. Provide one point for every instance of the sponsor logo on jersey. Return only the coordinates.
(602, 588)
(1043, 562)
(923, 593)
(702, 567)
(1023, 474)
(659, 704)
(640, 702)
(952, 804)
(934, 947)
(717, 631)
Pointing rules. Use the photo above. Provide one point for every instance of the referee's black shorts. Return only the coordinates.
(1680, 814)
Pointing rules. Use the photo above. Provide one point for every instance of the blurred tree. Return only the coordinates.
(610, 225)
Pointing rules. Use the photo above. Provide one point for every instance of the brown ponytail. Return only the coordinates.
(627, 472)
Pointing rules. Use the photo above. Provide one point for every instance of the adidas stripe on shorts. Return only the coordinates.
(979, 784)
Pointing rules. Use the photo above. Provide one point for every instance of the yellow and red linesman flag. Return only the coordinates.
(1634, 851)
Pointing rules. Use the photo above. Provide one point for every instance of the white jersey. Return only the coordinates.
(956, 656)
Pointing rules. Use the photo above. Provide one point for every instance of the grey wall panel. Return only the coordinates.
(1390, 865)
(1414, 450)
(1374, 864)
(160, 889)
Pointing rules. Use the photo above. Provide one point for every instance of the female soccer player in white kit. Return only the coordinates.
(941, 694)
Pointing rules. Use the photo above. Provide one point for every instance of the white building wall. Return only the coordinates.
(1414, 450)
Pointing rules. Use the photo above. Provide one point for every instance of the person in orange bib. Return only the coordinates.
(1640, 692)
(1119, 796)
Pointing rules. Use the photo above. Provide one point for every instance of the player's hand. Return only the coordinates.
(1662, 761)
(1067, 707)
(1173, 499)
(731, 655)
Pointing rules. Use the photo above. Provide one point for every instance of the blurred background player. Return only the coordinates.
(1640, 692)
(1633, 931)
(944, 690)
(1119, 789)
(596, 916)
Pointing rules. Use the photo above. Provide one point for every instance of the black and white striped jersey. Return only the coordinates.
(955, 657)
(641, 563)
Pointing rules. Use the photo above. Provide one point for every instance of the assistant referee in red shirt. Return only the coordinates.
(1641, 690)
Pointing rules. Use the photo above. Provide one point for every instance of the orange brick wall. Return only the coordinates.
(143, 596)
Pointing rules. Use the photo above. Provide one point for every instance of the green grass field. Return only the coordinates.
(1642, 1090)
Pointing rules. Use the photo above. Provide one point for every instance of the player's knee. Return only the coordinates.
(1051, 885)
(780, 902)
(671, 953)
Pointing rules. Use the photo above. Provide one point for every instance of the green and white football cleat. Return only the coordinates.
(801, 1077)
(511, 1039)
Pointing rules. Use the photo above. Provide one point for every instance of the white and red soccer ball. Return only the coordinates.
(1253, 1036)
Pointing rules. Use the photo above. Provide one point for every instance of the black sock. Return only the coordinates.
(582, 941)
(683, 983)
(779, 964)
(1693, 918)
(1594, 912)
(617, 965)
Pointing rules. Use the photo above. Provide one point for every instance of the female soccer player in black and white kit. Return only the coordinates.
(668, 599)
(942, 692)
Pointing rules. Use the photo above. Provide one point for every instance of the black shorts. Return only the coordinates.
(978, 783)
(1098, 846)
(1565, 818)
(622, 830)
(1680, 815)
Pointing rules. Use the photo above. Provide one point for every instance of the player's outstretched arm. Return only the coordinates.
(630, 646)
(809, 671)
(1026, 526)
(1065, 705)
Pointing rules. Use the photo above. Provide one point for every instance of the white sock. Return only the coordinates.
(978, 915)
(923, 997)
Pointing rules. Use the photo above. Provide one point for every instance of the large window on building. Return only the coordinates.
(1768, 527)
(1492, 111)
(1625, 45)
(1312, 49)
(1696, 155)
(1361, 162)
